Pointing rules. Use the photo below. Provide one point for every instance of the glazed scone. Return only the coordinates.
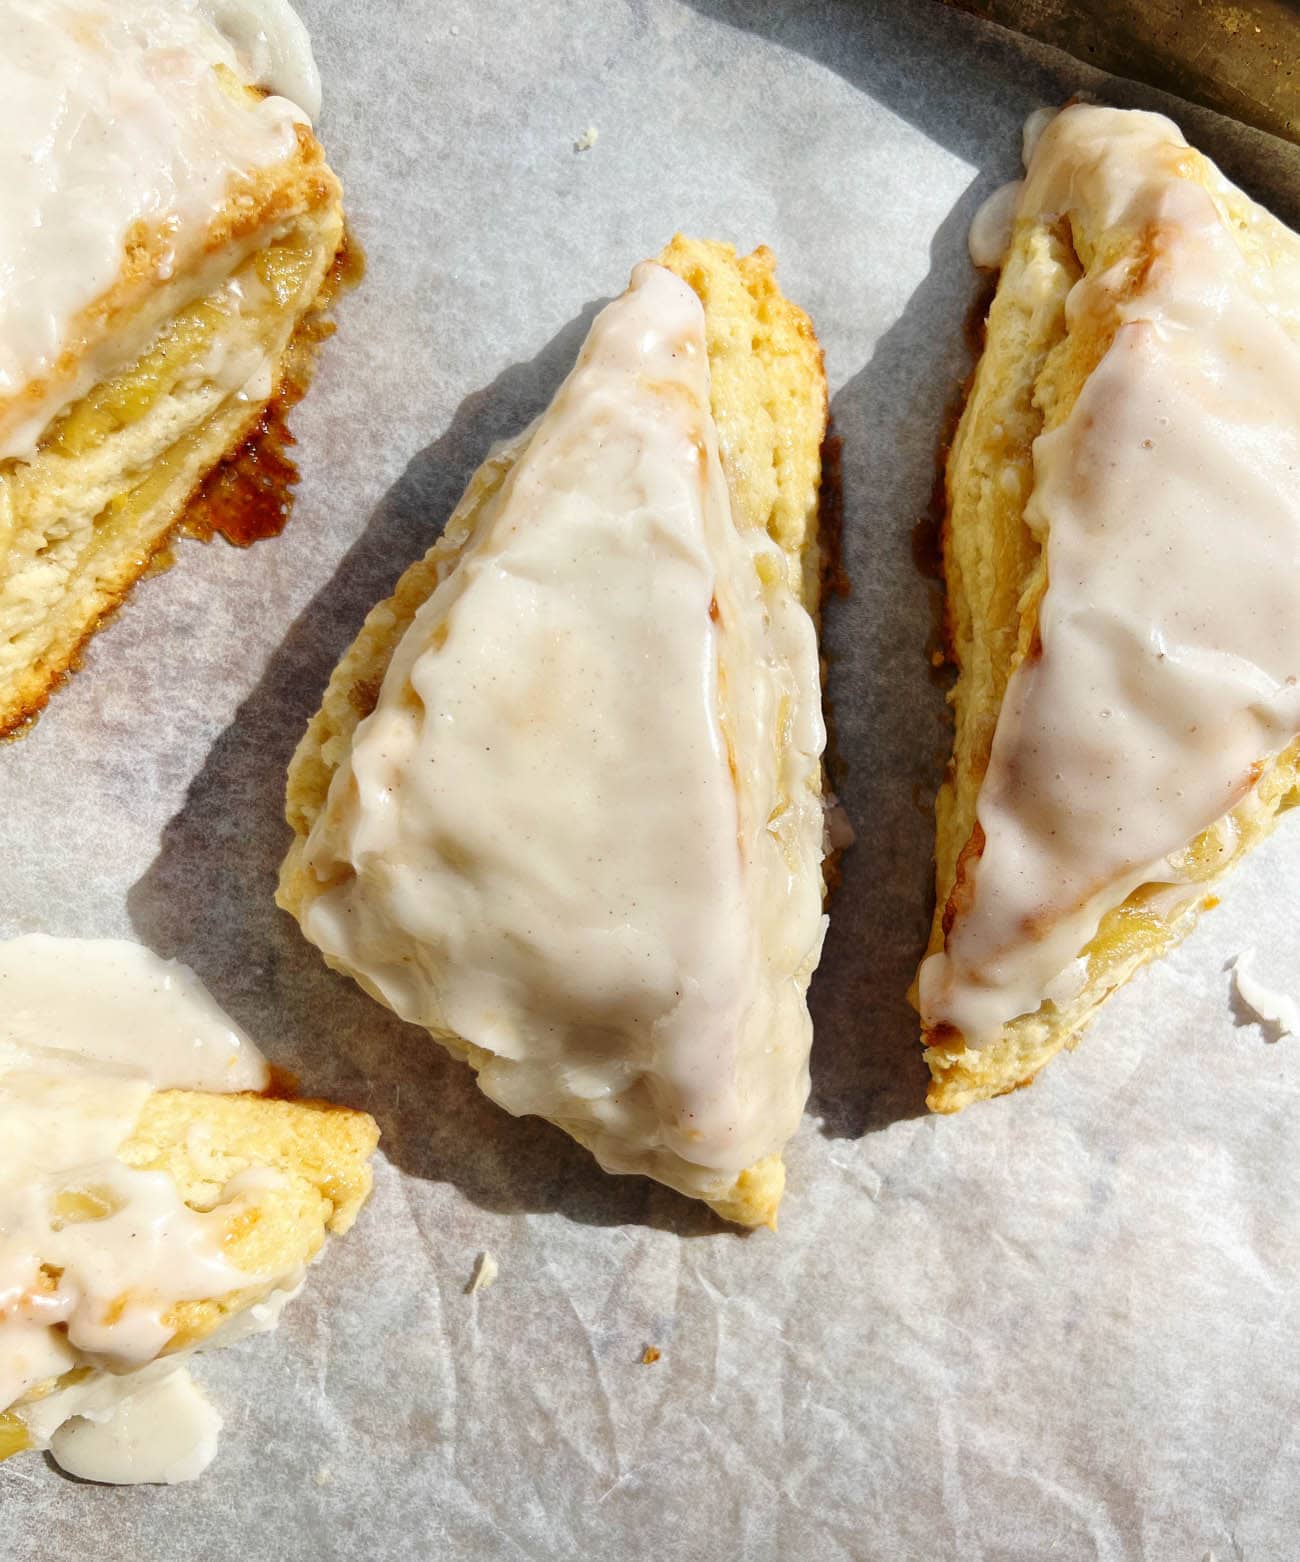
(258, 1181)
(562, 802)
(1120, 547)
(136, 1222)
(169, 232)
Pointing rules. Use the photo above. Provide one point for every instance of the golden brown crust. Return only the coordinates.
(769, 403)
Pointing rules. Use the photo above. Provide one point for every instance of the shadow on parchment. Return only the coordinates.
(213, 881)
(945, 72)
(886, 704)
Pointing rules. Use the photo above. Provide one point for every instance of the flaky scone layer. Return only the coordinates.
(113, 474)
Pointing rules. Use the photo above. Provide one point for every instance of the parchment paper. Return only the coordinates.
(1061, 1324)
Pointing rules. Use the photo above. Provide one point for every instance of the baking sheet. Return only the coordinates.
(1063, 1323)
(1236, 56)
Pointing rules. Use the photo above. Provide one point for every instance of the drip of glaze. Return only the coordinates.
(165, 1432)
(993, 224)
(273, 47)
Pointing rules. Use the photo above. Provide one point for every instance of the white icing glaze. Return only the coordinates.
(117, 1003)
(1171, 627)
(261, 1317)
(95, 1396)
(1032, 134)
(990, 229)
(582, 827)
(1277, 1009)
(113, 112)
(88, 1029)
(273, 47)
(164, 1432)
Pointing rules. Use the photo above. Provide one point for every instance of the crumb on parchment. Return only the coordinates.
(486, 1269)
(650, 1355)
(1275, 1010)
(587, 139)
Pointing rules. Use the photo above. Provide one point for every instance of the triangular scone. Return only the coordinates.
(562, 802)
(1121, 548)
(168, 235)
(210, 1205)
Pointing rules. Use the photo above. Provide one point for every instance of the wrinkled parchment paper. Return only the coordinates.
(1061, 1324)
